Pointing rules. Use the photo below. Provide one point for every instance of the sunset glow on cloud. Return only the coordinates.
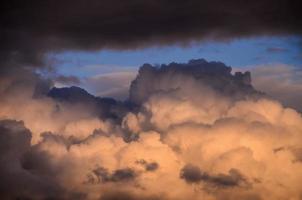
(87, 112)
(194, 127)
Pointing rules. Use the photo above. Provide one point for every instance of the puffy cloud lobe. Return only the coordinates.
(17, 181)
(26, 96)
(208, 76)
(202, 130)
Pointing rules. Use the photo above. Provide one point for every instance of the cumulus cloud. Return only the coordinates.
(16, 181)
(212, 77)
(188, 131)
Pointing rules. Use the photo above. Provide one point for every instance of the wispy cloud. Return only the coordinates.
(276, 49)
(113, 84)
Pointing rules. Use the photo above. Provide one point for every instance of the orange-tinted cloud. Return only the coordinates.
(197, 134)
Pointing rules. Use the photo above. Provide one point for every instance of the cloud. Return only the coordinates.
(67, 80)
(193, 126)
(280, 81)
(152, 166)
(114, 84)
(192, 174)
(276, 49)
(183, 76)
(119, 175)
(123, 195)
(16, 181)
(32, 29)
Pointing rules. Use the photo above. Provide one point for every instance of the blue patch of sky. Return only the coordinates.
(236, 53)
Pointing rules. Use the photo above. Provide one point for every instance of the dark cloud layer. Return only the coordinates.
(31, 28)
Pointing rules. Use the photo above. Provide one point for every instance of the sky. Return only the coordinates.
(235, 53)
(151, 99)
(110, 72)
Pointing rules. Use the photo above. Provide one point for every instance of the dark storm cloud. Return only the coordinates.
(193, 174)
(31, 28)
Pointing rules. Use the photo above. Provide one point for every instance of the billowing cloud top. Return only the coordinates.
(200, 133)
(182, 76)
(30, 28)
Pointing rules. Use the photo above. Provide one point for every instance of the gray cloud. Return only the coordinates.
(149, 166)
(193, 174)
(16, 181)
(119, 175)
(216, 75)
